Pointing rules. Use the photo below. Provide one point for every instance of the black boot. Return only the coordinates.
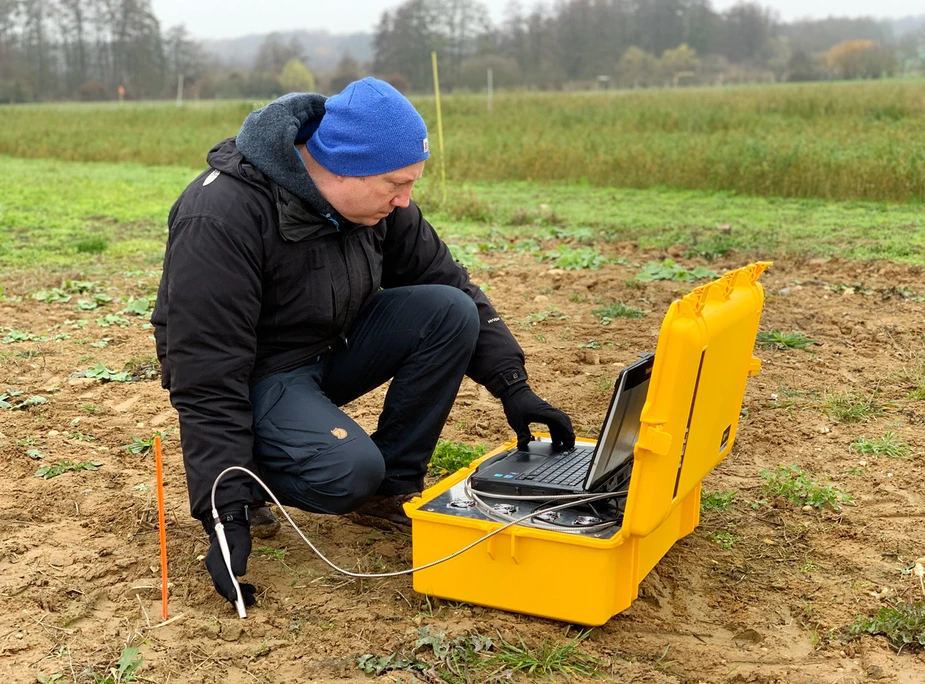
(263, 523)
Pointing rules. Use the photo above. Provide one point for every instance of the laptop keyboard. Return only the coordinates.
(566, 470)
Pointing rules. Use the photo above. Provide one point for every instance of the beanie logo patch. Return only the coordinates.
(426, 146)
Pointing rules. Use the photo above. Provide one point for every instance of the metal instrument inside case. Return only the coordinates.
(458, 503)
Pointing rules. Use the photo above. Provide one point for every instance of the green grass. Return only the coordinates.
(660, 218)
(888, 445)
(829, 140)
(477, 658)
(57, 215)
(546, 660)
(617, 310)
(852, 407)
(913, 376)
(794, 485)
(776, 339)
(47, 207)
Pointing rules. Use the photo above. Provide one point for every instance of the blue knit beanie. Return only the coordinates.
(368, 129)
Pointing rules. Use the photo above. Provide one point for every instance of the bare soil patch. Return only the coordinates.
(79, 562)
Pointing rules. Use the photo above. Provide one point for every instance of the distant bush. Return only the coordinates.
(398, 81)
(92, 91)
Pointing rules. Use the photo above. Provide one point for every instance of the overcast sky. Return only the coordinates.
(232, 18)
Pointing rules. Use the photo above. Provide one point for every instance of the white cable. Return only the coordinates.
(582, 497)
(539, 524)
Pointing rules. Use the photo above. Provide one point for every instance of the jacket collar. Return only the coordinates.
(267, 140)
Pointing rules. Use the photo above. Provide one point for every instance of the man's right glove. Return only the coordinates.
(522, 406)
(237, 532)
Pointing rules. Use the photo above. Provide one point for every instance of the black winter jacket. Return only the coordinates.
(256, 282)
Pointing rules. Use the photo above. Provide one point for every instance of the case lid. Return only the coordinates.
(689, 421)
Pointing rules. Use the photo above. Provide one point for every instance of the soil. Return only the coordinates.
(79, 563)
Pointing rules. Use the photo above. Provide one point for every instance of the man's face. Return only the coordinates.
(370, 199)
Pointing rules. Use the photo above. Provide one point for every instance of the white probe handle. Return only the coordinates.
(226, 554)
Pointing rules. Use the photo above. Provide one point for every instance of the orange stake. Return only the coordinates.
(161, 521)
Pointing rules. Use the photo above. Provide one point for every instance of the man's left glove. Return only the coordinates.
(237, 532)
(522, 407)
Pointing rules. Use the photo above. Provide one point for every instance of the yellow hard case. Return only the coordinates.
(689, 420)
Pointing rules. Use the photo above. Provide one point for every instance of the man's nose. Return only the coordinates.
(402, 199)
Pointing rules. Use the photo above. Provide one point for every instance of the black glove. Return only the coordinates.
(238, 534)
(522, 407)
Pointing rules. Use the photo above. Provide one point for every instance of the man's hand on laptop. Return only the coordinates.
(522, 407)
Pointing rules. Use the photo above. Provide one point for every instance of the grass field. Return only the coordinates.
(816, 508)
(59, 216)
(837, 141)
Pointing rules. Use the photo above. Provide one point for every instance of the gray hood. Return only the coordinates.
(267, 140)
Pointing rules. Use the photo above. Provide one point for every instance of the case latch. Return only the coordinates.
(655, 440)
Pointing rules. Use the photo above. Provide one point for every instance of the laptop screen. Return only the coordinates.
(622, 423)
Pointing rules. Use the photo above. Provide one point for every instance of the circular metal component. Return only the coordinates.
(504, 508)
(586, 520)
(461, 503)
(548, 516)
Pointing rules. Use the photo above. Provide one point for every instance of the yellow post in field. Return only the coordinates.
(433, 57)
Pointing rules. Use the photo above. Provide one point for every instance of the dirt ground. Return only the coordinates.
(79, 568)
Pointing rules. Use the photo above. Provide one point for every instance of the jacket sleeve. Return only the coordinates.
(210, 302)
(414, 254)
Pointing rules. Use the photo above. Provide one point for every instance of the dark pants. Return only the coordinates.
(313, 456)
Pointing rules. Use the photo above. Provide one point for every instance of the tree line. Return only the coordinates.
(108, 49)
(632, 43)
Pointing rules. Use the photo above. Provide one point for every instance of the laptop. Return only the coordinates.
(543, 469)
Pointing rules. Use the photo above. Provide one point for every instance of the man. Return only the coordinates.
(298, 276)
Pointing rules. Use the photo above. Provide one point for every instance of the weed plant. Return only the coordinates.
(669, 270)
(547, 660)
(903, 624)
(794, 485)
(65, 466)
(608, 313)
(479, 658)
(139, 307)
(10, 400)
(467, 255)
(102, 373)
(142, 447)
(888, 445)
(717, 501)
(913, 375)
(130, 660)
(110, 320)
(450, 456)
(552, 313)
(852, 408)
(726, 540)
(575, 258)
(143, 368)
(777, 339)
